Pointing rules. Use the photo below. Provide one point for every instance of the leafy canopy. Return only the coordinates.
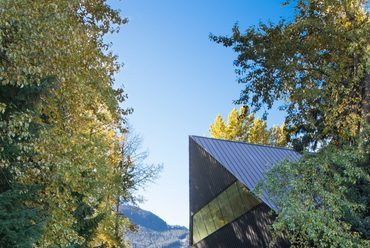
(318, 65)
(62, 168)
(323, 200)
(243, 126)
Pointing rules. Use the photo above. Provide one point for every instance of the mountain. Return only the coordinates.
(153, 232)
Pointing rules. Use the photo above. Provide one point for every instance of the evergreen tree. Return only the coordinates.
(22, 218)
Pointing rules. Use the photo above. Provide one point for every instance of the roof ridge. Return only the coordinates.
(245, 143)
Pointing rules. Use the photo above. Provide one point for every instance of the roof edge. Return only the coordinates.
(241, 142)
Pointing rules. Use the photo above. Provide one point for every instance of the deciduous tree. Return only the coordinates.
(323, 199)
(243, 126)
(62, 125)
(317, 63)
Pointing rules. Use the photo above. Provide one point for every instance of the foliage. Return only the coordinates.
(21, 221)
(62, 127)
(22, 218)
(317, 63)
(243, 126)
(323, 200)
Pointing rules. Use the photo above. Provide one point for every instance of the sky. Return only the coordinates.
(178, 81)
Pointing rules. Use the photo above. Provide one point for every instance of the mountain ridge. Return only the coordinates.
(153, 232)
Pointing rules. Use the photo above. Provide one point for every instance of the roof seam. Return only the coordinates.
(247, 162)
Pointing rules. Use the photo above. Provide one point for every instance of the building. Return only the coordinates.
(223, 212)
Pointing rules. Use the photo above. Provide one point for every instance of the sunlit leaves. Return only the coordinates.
(316, 63)
(61, 118)
(243, 126)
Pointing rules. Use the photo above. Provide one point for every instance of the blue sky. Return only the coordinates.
(178, 81)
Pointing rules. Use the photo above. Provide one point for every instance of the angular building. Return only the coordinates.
(223, 212)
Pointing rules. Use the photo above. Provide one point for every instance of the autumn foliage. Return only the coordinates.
(62, 161)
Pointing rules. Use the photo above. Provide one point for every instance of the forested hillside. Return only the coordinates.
(154, 232)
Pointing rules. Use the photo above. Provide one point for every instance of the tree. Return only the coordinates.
(279, 136)
(317, 63)
(258, 133)
(323, 200)
(22, 218)
(134, 174)
(62, 126)
(242, 126)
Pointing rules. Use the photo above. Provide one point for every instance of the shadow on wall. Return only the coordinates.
(252, 228)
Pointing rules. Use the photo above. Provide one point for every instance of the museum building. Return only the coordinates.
(223, 211)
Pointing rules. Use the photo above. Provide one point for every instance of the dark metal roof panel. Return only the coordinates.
(247, 162)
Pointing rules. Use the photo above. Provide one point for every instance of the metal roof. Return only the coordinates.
(247, 162)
